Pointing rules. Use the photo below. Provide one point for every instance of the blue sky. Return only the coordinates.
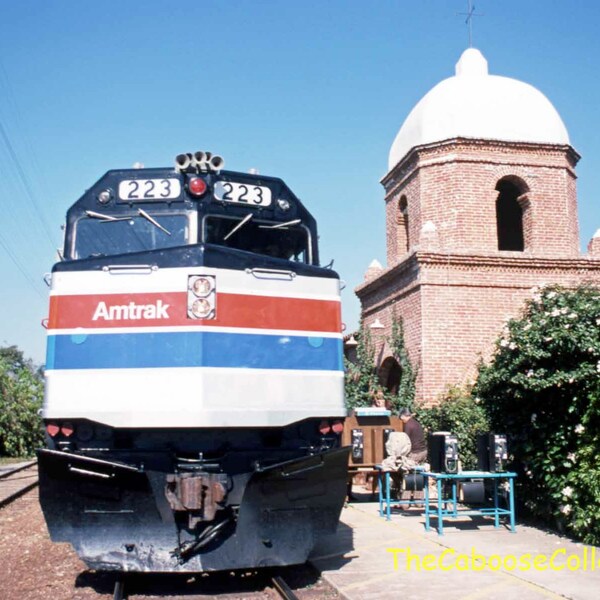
(313, 92)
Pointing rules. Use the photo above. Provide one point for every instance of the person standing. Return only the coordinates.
(414, 430)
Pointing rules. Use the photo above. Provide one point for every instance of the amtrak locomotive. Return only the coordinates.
(194, 396)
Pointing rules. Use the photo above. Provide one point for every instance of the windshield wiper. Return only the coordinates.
(106, 218)
(146, 216)
(238, 226)
(281, 225)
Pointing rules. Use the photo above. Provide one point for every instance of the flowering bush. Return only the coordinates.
(542, 389)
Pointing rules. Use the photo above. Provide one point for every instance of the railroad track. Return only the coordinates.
(263, 583)
(17, 481)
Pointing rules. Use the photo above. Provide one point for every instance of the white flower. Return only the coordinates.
(477, 400)
(504, 343)
(598, 366)
(528, 473)
(550, 294)
(533, 418)
(564, 311)
(527, 326)
(548, 339)
(579, 428)
(555, 313)
(567, 326)
(566, 509)
(568, 491)
(512, 346)
(571, 456)
(572, 316)
(529, 373)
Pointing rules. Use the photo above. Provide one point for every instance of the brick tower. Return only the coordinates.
(481, 207)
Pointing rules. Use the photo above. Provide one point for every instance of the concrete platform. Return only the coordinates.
(358, 562)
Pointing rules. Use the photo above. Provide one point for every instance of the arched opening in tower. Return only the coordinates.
(402, 220)
(389, 375)
(509, 216)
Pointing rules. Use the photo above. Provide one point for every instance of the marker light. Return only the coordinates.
(337, 427)
(201, 308)
(197, 186)
(202, 286)
(324, 427)
(67, 429)
(283, 204)
(104, 197)
(52, 429)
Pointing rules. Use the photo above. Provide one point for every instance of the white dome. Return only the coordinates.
(474, 104)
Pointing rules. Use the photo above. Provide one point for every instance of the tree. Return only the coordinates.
(542, 389)
(21, 394)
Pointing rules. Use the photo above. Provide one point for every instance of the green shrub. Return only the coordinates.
(461, 415)
(360, 379)
(405, 396)
(21, 394)
(543, 389)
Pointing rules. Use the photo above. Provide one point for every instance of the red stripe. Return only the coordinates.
(233, 310)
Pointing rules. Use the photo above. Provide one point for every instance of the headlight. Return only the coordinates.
(201, 308)
(202, 286)
(202, 296)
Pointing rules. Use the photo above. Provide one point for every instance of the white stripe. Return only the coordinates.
(185, 328)
(175, 280)
(193, 397)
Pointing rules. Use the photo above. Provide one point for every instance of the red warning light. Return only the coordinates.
(197, 186)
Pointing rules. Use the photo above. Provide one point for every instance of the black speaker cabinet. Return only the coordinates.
(443, 453)
(492, 452)
(358, 445)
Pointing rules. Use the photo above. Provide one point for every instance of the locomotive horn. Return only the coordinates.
(200, 158)
(217, 162)
(206, 161)
(182, 162)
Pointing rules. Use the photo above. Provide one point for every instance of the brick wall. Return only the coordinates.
(452, 287)
(453, 185)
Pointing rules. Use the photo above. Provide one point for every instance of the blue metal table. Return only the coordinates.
(448, 507)
(384, 483)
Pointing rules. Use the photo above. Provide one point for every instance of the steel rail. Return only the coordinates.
(5, 474)
(283, 589)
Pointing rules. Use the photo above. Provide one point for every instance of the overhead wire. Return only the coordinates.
(25, 182)
(20, 267)
(19, 231)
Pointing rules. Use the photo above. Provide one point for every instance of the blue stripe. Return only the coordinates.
(193, 349)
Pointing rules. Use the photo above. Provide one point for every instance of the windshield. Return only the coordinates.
(103, 235)
(281, 240)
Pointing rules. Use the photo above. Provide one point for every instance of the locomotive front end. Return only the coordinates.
(194, 397)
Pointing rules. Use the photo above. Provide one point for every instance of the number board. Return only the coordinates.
(242, 193)
(144, 190)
